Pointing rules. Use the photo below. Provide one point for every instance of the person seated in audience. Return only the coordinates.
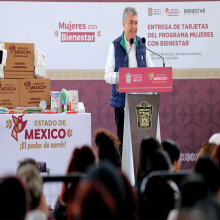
(93, 201)
(107, 144)
(159, 194)
(118, 186)
(210, 170)
(206, 209)
(174, 152)
(207, 149)
(148, 146)
(193, 189)
(13, 198)
(38, 208)
(157, 199)
(131, 200)
(27, 161)
(216, 155)
(80, 160)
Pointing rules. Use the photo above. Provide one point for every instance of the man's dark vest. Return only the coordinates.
(117, 99)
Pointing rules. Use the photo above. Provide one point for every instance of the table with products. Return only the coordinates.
(49, 138)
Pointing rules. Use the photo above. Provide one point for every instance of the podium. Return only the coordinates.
(141, 110)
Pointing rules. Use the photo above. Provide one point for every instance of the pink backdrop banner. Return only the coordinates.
(145, 79)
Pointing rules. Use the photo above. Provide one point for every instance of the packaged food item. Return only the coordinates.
(14, 111)
(71, 112)
(20, 108)
(34, 109)
(50, 112)
(3, 110)
(55, 99)
(63, 97)
(73, 100)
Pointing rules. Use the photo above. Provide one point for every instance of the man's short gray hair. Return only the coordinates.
(129, 11)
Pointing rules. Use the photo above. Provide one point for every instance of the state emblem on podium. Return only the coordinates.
(144, 113)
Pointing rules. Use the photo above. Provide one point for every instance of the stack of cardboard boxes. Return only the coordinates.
(19, 87)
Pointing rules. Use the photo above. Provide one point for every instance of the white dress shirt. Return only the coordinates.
(110, 75)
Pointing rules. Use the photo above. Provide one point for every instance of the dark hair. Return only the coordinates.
(107, 144)
(32, 161)
(80, 160)
(157, 200)
(172, 149)
(93, 201)
(148, 146)
(210, 170)
(159, 160)
(13, 199)
(216, 155)
(113, 181)
(193, 189)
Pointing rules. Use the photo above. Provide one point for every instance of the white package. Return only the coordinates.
(3, 63)
(73, 100)
(40, 64)
(81, 107)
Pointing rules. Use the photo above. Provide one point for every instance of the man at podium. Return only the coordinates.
(125, 51)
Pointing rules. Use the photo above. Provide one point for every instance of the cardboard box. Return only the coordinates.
(20, 60)
(32, 91)
(9, 93)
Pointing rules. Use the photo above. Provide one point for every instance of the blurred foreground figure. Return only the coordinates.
(13, 199)
(80, 160)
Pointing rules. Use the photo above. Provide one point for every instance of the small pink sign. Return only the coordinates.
(145, 79)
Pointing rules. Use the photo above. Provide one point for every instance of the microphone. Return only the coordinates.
(131, 42)
(144, 42)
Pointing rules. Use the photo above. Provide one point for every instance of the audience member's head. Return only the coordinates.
(93, 200)
(210, 170)
(157, 200)
(194, 188)
(207, 149)
(31, 176)
(107, 145)
(216, 155)
(113, 181)
(174, 152)
(148, 146)
(13, 198)
(159, 160)
(80, 160)
(28, 161)
(207, 208)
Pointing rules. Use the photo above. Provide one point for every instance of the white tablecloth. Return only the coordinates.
(48, 138)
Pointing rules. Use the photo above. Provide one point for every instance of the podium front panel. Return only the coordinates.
(143, 113)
